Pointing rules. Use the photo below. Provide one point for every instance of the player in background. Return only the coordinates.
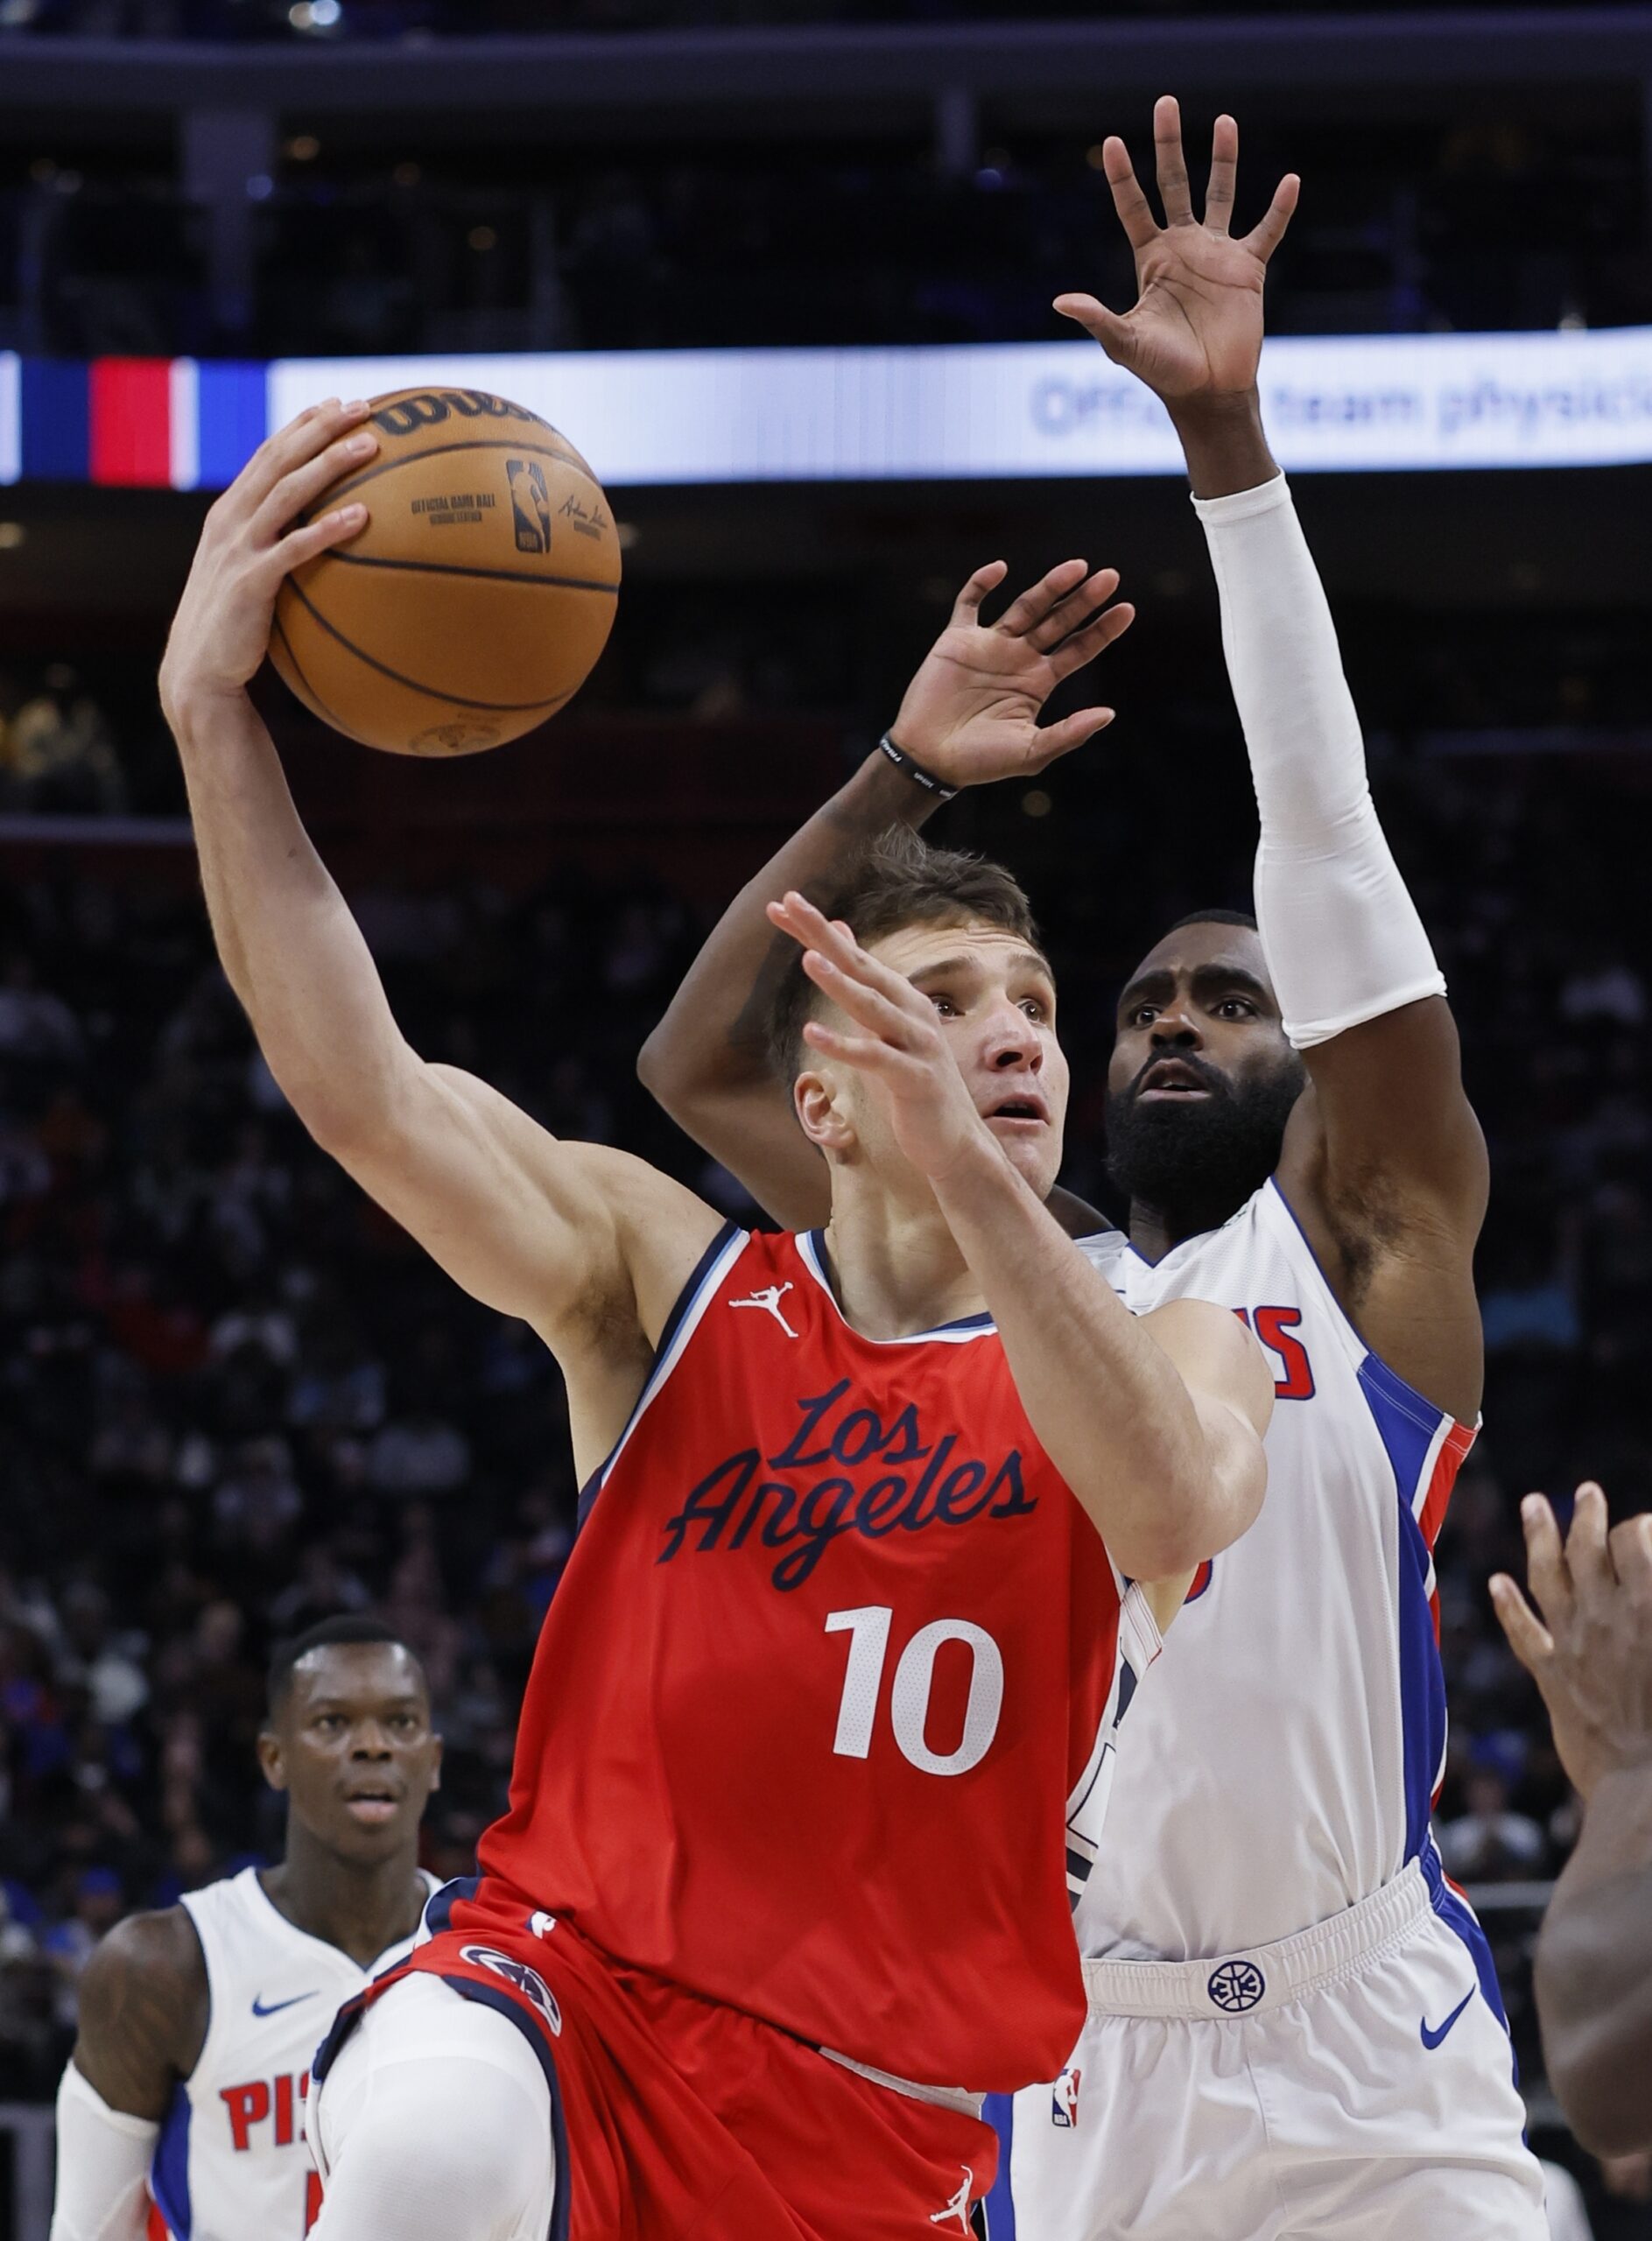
(844, 1627)
(1295, 2027)
(181, 2112)
(1589, 1649)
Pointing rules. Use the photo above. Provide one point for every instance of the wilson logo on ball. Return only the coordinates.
(407, 414)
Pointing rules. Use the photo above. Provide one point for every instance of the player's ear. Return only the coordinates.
(814, 1099)
(273, 1758)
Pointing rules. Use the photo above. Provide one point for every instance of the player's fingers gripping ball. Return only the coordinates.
(476, 600)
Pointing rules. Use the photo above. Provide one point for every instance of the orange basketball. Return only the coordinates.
(477, 598)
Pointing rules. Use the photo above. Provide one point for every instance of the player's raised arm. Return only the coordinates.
(1384, 1160)
(537, 1229)
(969, 715)
(142, 2017)
(1155, 1422)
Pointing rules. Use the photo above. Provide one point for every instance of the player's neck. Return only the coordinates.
(1154, 1230)
(896, 1268)
(360, 1907)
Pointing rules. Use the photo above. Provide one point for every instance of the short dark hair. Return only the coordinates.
(1214, 918)
(900, 881)
(343, 1626)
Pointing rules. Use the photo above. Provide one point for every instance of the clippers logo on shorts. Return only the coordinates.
(1064, 2102)
(1236, 1985)
(531, 501)
(528, 1982)
(912, 1478)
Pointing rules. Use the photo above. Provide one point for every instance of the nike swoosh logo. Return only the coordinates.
(1431, 2039)
(276, 2006)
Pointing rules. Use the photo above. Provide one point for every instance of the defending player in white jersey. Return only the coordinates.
(1295, 2026)
(181, 2112)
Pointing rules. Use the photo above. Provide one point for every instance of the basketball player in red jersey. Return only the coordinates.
(847, 1627)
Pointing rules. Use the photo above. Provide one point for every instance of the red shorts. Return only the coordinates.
(677, 2118)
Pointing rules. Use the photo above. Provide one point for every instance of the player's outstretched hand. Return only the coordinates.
(221, 627)
(1195, 333)
(971, 713)
(1589, 1647)
(900, 1047)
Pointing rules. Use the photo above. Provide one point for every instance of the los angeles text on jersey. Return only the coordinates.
(921, 1480)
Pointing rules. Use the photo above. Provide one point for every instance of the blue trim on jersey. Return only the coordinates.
(1407, 1425)
(169, 2168)
(486, 1996)
(999, 2110)
(438, 1908)
(680, 1306)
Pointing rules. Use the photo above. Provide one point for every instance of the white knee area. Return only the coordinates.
(434, 2125)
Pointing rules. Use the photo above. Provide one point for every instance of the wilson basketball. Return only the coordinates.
(474, 602)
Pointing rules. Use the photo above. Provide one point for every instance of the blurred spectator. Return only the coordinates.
(56, 753)
(1486, 1842)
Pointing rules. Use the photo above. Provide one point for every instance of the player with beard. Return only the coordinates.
(1295, 2027)
(181, 2112)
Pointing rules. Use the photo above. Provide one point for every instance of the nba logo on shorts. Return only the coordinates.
(528, 1982)
(1064, 2100)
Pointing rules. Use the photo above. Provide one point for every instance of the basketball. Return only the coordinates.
(476, 600)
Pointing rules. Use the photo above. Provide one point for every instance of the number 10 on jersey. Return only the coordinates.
(868, 1633)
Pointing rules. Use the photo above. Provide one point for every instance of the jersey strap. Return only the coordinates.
(680, 1324)
(1426, 1447)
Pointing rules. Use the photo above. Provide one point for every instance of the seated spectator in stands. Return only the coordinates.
(417, 1453)
(1487, 1843)
(1590, 1651)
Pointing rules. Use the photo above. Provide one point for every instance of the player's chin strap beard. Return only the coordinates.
(1196, 1163)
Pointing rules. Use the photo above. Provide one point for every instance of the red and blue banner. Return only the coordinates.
(1344, 404)
(151, 423)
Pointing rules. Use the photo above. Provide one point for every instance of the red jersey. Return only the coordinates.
(827, 1690)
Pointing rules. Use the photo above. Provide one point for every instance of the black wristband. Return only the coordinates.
(916, 772)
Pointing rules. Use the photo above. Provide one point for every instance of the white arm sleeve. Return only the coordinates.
(1341, 934)
(104, 2159)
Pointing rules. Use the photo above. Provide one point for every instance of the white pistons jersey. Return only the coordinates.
(231, 2163)
(1283, 1759)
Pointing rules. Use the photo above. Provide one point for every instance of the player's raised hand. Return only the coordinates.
(222, 628)
(971, 713)
(1195, 331)
(1589, 1646)
(899, 1045)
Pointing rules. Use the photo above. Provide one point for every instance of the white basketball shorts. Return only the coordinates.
(1351, 2084)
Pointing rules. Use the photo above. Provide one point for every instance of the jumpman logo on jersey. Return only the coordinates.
(959, 2206)
(768, 1299)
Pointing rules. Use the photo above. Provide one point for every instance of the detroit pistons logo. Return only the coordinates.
(1235, 1986)
(527, 1981)
(1064, 2099)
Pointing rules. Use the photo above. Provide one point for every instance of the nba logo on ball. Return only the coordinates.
(1063, 2101)
(527, 1981)
(532, 502)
